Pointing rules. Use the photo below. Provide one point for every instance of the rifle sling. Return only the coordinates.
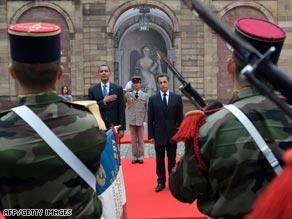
(56, 144)
(265, 149)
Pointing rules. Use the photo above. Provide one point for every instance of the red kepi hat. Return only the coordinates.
(262, 35)
(35, 42)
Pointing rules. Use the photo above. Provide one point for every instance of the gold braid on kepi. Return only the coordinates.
(92, 106)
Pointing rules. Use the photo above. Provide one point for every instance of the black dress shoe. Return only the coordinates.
(140, 161)
(134, 161)
(159, 187)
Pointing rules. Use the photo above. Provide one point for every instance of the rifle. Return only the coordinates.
(186, 87)
(258, 66)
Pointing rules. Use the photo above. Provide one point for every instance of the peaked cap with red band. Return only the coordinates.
(262, 35)
(35, 42)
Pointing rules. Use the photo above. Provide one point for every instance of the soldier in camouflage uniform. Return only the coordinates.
(232, 172)
(32, 175)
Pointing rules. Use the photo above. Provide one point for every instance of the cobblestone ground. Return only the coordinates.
(126, 151)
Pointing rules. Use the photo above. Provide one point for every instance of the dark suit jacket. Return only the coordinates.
(162, 126)
(113, 112)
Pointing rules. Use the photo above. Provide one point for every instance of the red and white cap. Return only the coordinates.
(35, 42)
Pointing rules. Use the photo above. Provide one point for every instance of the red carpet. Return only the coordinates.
(127, 139)
(142, 200)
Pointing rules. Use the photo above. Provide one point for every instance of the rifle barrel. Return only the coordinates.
(248, 54)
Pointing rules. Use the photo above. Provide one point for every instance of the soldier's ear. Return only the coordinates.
(60, 72)
(12, 72)
(231, 66)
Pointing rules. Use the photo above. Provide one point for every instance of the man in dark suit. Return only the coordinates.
(110, 99)
(165, 113)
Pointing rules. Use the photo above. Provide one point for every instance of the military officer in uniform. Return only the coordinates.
(136, 106)
(223, 168)
(32, 175)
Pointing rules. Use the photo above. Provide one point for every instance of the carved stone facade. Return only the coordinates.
(95, 32)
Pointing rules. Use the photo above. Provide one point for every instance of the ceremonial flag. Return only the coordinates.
(110, 186)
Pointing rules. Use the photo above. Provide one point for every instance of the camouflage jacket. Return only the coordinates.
(32, 175)
(237, 171)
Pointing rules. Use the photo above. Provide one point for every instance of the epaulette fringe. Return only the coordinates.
(190, 125)
(93, 107)
(189, 129)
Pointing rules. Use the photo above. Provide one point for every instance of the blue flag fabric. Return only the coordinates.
(110, 164)
(110, 186)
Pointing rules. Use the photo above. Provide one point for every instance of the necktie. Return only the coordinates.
(164, 101)
(136, 95)
(104, 91)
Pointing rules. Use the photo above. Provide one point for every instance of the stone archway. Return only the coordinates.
(128, 41)
(132, 4)
(224, 88)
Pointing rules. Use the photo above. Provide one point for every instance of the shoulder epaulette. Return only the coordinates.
(211, 111)
(74, 104)
(190, 125)
(189, 129)
(93, 107)
(213, 107)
